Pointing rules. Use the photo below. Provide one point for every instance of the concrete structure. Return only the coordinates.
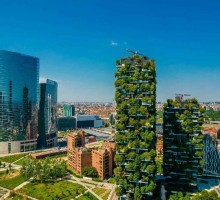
(45, 154)
(19, 78)
(48, 114)
(86, 121)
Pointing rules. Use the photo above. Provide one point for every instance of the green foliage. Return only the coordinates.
(179, 196)
(213, 115)
(13, 158)
(43, 170)
(11, 182)
(87, 196)
(159, 167)
(53, 190)
(102, 192)
(205, 195)
(90, 172)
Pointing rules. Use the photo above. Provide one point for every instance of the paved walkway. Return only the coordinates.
(19, 187)
(83, 184)
(112, 195)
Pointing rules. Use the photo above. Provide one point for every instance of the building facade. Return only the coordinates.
(87, 121)
(19, 78)
(48, 114)
(102, 160)
(76, 139)
(66, 123)
(68, 110)
(182, 144)
(135, 98)
(79, 156)
(211, 156)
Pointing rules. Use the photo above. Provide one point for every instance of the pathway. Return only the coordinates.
(83, 184)
(19, 187)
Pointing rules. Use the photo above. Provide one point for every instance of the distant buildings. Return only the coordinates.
(66, 123)
(79, 121)
(86, 121)
(68, 110)
(135, 97)
(19, 86)
(182, 144)
(79, 156)
(48, 114)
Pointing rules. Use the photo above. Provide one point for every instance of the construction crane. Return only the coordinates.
(179, 97)
(134, 52)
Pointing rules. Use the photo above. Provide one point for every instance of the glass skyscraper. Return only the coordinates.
(19, 84)
(48, 114)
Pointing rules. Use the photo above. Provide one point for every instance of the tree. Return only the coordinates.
(204, 195)
(90, 172)
(179, 196)
(43, 170)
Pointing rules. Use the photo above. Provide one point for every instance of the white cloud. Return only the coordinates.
(113, 43)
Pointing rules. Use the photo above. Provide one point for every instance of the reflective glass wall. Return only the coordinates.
(47, 114)
(19, 78)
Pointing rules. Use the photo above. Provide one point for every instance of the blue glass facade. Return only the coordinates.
(48, 114)
(19, 84)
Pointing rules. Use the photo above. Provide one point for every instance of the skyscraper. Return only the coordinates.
(48, 114)
(135, 98)
(68, 110)
(183, 144)
(19, 77)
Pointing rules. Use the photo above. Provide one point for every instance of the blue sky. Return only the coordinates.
(78, 42)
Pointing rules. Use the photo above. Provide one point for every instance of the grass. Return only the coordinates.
(58, 155)
(71, 171)
(12, 158)
(19, 162)
(12, 180)
(53, 190)
(17, 197)
(103, 193)
(87, 196)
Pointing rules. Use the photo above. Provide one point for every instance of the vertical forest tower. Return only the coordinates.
(183, 144)
(135, 98)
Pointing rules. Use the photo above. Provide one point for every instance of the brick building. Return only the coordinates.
(80, 156)
(76, 139)
(102, 160)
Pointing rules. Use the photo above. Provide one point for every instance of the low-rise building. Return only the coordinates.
(79, 157)
(76, 139)
(100, 158)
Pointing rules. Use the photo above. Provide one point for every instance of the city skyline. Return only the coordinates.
(78, 43)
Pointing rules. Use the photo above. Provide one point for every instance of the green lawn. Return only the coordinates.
(17, 197)
(102, 192)
(87, 196)
(12, 158)
(11, 181)
(19, 162)
(53, 190)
